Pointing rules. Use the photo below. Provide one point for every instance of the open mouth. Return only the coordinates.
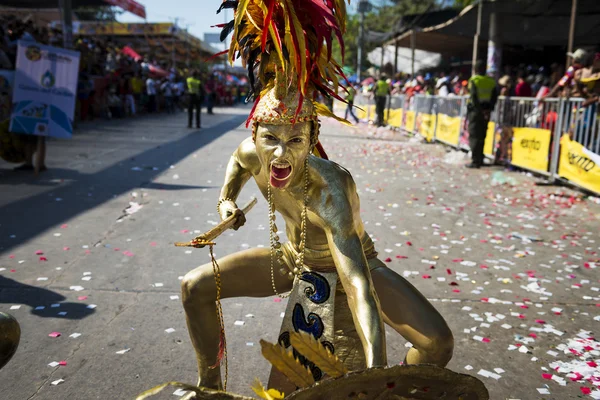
(281, 173)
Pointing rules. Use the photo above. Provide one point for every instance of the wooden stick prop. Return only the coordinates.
(206, 239)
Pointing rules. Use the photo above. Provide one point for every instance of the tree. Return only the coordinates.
(102, 13)
(383, 19)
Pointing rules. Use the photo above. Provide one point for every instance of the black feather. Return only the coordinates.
(251, 65)
(227, 30)
(228, 4)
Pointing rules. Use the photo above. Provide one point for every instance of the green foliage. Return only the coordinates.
(101, 13)
(384, 18)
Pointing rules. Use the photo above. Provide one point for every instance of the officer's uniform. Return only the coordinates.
(483, 94)
(195, 91)
(382, 89)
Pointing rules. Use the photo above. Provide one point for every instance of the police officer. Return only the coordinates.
(483, 94)
(195, 91)
(382, 90)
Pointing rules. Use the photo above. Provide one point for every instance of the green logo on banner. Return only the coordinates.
(47, 80)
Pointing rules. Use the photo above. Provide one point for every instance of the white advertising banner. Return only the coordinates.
(45, 90)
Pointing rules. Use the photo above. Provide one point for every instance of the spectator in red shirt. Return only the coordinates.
(523, 89)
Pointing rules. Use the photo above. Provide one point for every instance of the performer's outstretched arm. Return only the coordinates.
(236, 177)
(355, 277)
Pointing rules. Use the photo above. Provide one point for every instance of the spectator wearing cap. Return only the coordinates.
(567, 83)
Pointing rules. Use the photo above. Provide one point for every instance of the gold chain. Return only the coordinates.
(222, 341)
(276, 251)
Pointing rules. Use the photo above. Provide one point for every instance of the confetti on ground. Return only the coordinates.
(123, 351)
(54, 334)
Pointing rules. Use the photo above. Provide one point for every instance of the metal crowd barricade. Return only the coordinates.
(576, 147)
(557, 138)
(450, 117)
(395, 111)
(526, 125)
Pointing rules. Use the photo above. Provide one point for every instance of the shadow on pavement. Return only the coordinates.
(13, 292)
(26, 218)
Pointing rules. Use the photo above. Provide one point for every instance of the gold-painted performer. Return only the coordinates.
(341, 292)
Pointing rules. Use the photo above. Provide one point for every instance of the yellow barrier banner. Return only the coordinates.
(488, 145)
(372, 114)
(395, 118)
(361, 111)
(579, 164)
(409, 121)
(427, 126)
(448, 129)
(530, 148)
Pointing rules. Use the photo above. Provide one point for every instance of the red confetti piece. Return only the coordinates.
(458, 260)
(153, 244)
(64, 226)
(521, 316)
(547, 376)
(456, 290)
(485, 299)
(66, 248)
(39, 252)
(453, 284)
(185, 230)
(585, 390)
(388, 260)
(128, 253)
(402, 257)
(426, 276)
(483, 266)
(448, 271)
(54, 334)
(13, 270)
(62, 363)
(408, 243)
(540, 321)
(42, 258)
(533, 335)
(486, 340)
(592, 364)
(277, 300)
(81, 298)
(11, 256)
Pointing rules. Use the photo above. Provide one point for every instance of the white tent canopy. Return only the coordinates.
(423, 59)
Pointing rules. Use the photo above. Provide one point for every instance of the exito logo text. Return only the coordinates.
(581, 161)
(531, 144)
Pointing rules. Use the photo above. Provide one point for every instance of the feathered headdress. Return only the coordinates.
(287, 44)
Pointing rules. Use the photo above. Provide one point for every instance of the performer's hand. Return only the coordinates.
(229, 208)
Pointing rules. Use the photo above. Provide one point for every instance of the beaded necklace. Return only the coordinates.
(276, 251)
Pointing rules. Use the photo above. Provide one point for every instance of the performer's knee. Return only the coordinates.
(195, 286)
(441, 346)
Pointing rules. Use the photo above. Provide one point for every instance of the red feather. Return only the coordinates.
(266, 23)
(321, 151)
(252, 111)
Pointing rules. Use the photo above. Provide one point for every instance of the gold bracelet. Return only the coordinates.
(221, 201)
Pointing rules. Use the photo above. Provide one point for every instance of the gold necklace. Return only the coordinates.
(276, 251)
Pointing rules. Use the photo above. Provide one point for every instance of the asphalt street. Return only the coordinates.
(88, 266)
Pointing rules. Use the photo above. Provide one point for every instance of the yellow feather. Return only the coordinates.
(314, 351)
(294, 24)
(285, 362)
(324, 111)
(263, 393)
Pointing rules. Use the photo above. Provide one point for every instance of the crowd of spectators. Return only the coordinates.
(115, 82)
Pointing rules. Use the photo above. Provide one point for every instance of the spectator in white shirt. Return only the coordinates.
(151, 92)
(168, 94)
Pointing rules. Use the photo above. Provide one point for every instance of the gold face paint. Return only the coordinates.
(281, 150)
